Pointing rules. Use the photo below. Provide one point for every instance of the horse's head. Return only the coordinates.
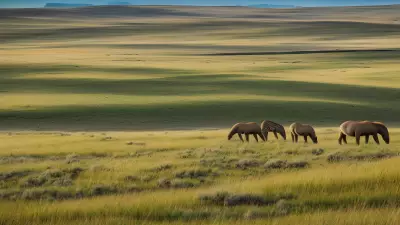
(283, 133)
(383, 131)
(314, 138)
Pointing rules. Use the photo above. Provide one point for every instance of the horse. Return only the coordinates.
(363, 128)
(270, 126)
(305, 130)
(246, 129)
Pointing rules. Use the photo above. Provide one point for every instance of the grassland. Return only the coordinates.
(119, 115)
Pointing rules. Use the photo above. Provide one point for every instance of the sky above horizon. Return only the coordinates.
(41, 3)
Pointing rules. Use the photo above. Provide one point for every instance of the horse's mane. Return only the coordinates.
(379, 124)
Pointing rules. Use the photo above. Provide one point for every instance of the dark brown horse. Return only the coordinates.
(275, 128)
(363, 128)
(246, 129)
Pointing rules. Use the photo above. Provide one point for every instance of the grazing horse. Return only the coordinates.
(305, 130)
(269, 126)
(246, 129)
(363, 128)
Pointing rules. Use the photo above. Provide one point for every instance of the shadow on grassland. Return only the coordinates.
(189, 115)
(14, 71)
(323, 30)
(304, 52)
(206, 85)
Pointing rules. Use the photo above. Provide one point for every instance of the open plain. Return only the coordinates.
(120, 115)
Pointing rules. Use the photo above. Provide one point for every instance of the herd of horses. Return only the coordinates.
(349, 128)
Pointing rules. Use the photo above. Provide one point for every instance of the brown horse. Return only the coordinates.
(305, 130)
(246, 129)
(269, 126)
(363, 128)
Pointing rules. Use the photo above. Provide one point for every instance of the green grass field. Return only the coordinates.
(120, 115)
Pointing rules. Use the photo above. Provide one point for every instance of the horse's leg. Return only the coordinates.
(296, 137)
(305, 138)
(291, 133)
(341, 137)
(358, 135)
(265, 136)
(376, 138)
(240, 136)
(366, 139)
(255, 137)
(261, 136)
(276, 135)
(247, 137)
(344, 138)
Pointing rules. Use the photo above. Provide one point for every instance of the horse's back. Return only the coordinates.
(271, 126)
(350, 127)
(301, 129)
(249, 127)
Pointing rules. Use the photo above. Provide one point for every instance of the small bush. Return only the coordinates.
(246, 163)
(340, 156)
(135, 143)
(106, 139)
(56, 177)
(217, 199)
(319, 151)
(162, 168)
(34, 182)
(10, 195)
(290, 152)
(39, 194)
(74, 172)
(63, 182)
(147, 178)
(336, 157)
(247, 199)
(193, 174)
(282, 207)
(102, 190)
(182, 184)
(277, 164)
(98, 168)
(13, 174)
(297, 164)
(131, 178)
(187, 154)
(281, 164)
(133, 188)
(164, 183)
(72, 158)
(256, 214)
(227, 199)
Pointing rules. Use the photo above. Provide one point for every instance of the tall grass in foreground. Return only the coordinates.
(332, 194)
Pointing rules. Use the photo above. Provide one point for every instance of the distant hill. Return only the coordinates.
(119, 3)
(65, 5)
(271, 6)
